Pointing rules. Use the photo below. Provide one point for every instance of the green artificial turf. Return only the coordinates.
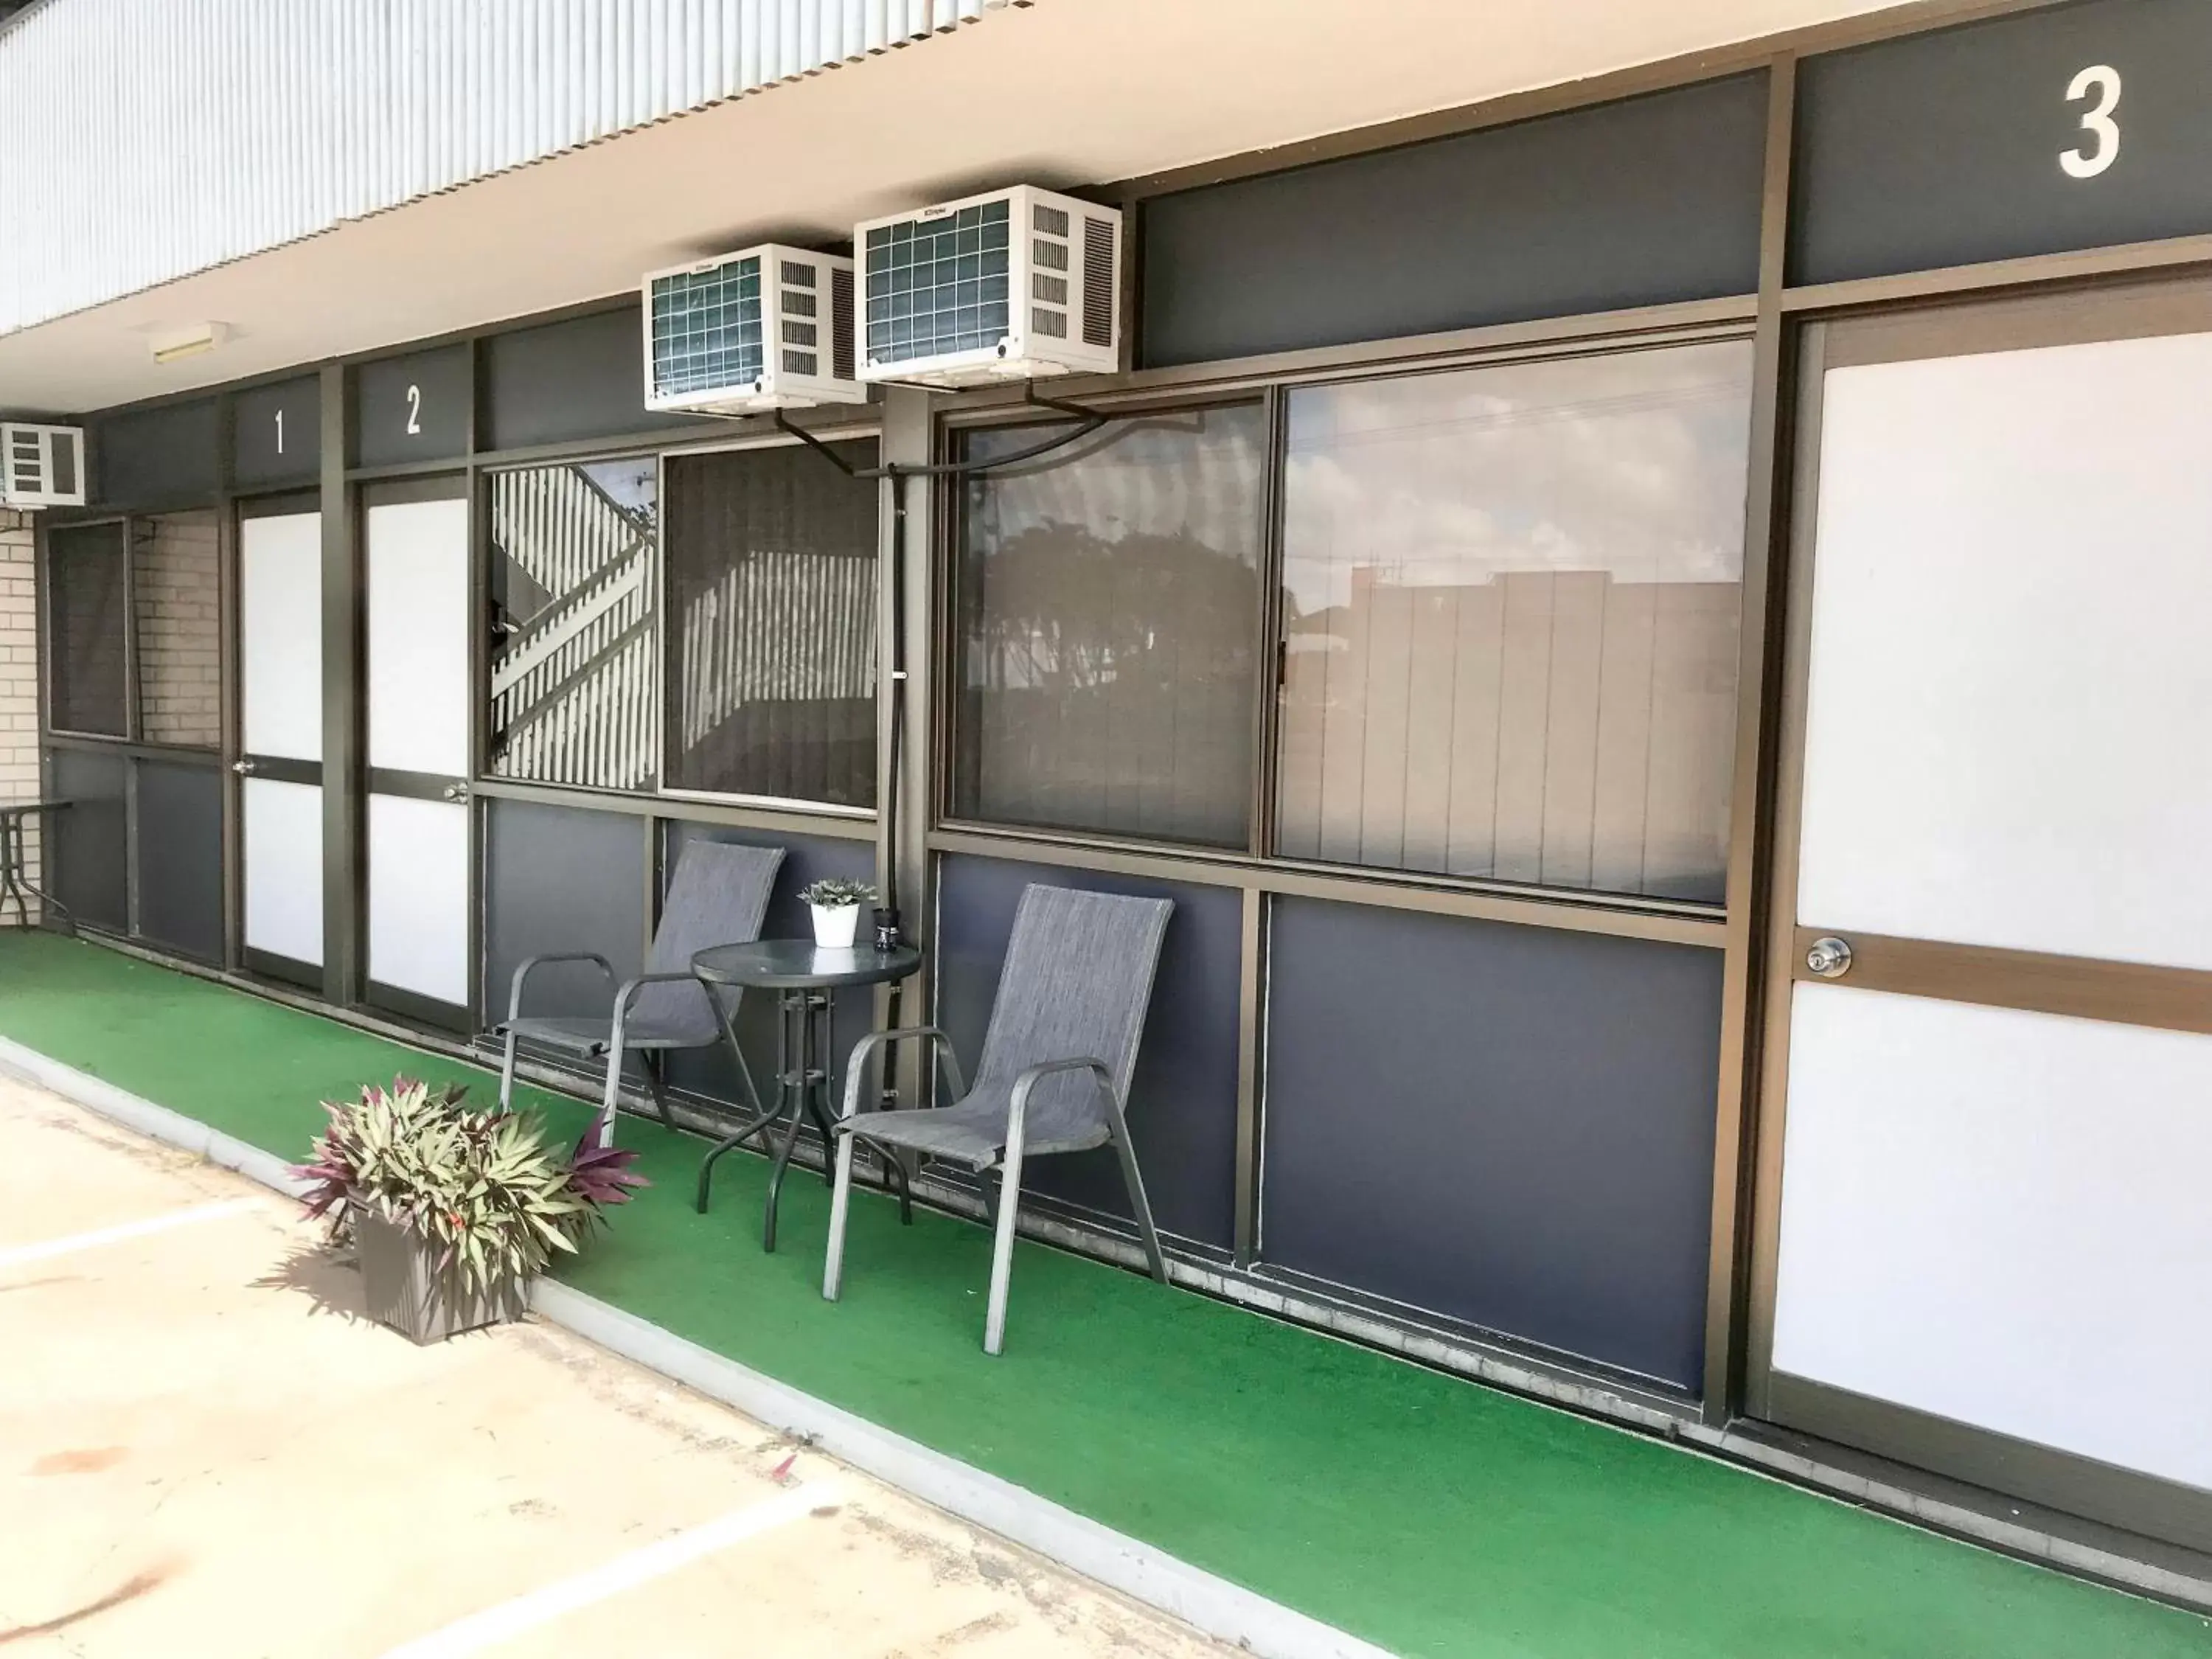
(1425, 1514)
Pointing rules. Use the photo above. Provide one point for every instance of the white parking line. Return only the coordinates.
(542, 1607)
(15, 1255)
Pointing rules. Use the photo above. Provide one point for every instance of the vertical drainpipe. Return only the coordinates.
(343, 883)
(901, 853)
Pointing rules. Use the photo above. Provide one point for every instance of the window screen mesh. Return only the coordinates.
(572, 592)
(176, 592)
(1108, 615)
(86, 630)
(706, 328)
(938, 285)
(772, 570)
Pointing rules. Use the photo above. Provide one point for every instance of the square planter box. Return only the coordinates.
(404, 1290)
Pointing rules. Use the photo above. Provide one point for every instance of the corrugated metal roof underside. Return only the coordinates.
(142, 140)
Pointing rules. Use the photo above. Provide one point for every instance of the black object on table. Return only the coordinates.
(14, 884)
(805, 976)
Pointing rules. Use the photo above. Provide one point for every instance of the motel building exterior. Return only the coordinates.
(1640, 574)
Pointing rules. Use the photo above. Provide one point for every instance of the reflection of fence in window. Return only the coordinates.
(176, 590)
(572, 682)
(777, 628)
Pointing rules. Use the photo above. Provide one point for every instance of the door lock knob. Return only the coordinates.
(1829, 958)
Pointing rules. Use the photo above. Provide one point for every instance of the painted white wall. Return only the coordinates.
(2010, 681)
(2001, 1218)
(280, 583)
(419, 702)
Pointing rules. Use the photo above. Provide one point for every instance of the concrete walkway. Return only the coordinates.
(204, 1449)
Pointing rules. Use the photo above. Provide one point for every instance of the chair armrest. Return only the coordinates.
(530, 963)
(1035, 1075)
(875, 1040)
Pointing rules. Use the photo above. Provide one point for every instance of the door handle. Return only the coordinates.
(1830, 957)
(244, 768)
(456, 791)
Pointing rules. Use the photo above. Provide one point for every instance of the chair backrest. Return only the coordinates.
(1078, 976)
(718, 896)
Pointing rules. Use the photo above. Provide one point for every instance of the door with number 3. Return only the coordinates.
(1984, 1233)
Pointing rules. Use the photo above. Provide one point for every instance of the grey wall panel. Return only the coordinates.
(276, 433)
(1182, 1103)
(1643, 202)
(85, 845)
(415, 408)
(1944, 149)
(559, 879)
(708, 1071)
(1507, 1124)
(581, 377)
(179, 849)
(154, 457)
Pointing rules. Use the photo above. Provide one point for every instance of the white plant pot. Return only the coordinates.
(835, 925)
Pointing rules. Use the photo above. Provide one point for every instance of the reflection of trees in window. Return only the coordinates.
(571, 672)
(1109, 605)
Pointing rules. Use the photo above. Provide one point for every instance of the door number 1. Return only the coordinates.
(2102, 146)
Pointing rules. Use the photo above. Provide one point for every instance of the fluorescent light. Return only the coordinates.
(174, 345)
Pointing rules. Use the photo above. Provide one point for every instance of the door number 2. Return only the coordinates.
(2102, 145)
(415, 393)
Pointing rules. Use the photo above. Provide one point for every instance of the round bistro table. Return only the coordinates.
(805, 977)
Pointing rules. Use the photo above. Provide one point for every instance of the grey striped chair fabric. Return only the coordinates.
(1077, 975)
(718, 896)
(1070, 1006)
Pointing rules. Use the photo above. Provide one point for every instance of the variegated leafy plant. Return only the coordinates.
(480, 1186)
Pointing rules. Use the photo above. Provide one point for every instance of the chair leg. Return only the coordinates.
(612, 1099)
(656, 1085)
(1002, 1250)
(506, 1073)
(1133, 1179)
(840, 1202)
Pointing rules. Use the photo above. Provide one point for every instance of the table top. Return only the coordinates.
(800, 965)
(10, 809)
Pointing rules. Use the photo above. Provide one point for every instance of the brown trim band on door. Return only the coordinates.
(2126, 993)
(2141, 1503)
(448, 486)
(2076, 317)
(417, 786)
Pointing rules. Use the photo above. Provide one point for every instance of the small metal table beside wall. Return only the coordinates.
(14, 883)
(805, 977)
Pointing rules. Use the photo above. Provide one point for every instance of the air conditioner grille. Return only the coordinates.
(1097, 282)
(841, 322)
(706, 328)
(939, 285)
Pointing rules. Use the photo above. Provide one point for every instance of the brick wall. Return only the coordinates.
(19, 676)
(176, 574)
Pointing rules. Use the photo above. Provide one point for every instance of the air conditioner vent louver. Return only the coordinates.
(720, 334)
(841, 321)
(1099, 275)
(42, 466)
(981, 289)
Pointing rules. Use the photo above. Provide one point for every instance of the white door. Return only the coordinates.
(416, 556)
(280, 579)
(1986, 1186)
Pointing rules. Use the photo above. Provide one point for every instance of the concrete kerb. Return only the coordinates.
(1135, 1569)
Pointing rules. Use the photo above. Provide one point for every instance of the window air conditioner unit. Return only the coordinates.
(1013, 285)
(42, 466)
(765, 328)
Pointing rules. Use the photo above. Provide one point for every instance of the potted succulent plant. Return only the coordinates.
(450, 1212)
(837, 904)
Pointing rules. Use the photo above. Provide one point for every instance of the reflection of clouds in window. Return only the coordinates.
(1632, 464)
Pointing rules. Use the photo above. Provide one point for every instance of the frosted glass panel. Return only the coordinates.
(418, 897)
(283, 826)
(418, 637)
(280, 582)
(2010, 680)
(1992, 1215)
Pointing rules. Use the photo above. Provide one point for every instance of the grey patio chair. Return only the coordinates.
(717, 896)
(1057, 1060)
